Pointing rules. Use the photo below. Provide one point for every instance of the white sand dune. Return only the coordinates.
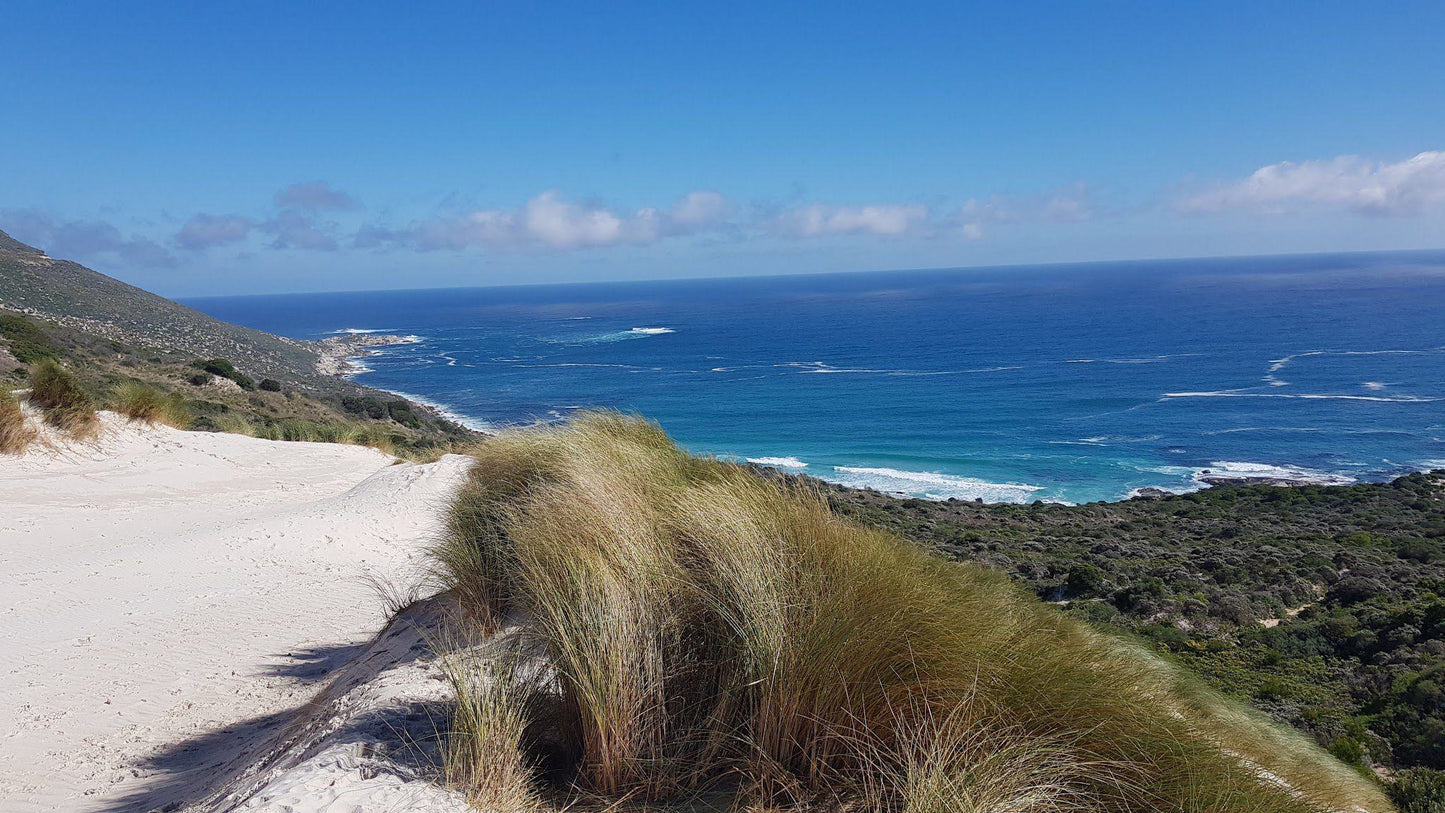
(162, 585)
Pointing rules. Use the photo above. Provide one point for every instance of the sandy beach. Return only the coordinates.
(163, 585)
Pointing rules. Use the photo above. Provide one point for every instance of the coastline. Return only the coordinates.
(341, 355)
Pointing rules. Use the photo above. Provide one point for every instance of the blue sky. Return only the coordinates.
(229, 148)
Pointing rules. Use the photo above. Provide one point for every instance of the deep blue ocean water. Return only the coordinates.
(1073, 383)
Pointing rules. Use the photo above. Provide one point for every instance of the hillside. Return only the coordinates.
(74, 296)
(114, 337)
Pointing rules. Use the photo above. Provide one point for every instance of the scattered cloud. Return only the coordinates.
(551, 221)
(700, 209)
(315, 196)
(1354, 183)
(822, 220)
(204, 231)
(84, 240)
(968, 220)
(291, 229)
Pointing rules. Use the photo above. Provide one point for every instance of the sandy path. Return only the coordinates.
(163, 584)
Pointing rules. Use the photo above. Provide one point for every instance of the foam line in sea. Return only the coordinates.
(1237, 470)
(929, 485)
(779, 462)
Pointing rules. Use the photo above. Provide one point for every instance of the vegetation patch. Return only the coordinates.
(224, 369)
(146, 404)
(702, 628)
(66, 405)
(15, 434)
(27, 342)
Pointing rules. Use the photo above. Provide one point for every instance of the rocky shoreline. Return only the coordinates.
(337, 355)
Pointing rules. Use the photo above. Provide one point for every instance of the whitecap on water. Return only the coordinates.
(779, 462)
(930, 485)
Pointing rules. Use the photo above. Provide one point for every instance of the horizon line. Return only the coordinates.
(806, 274)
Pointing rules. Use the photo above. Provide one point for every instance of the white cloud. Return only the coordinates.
(554, 222)
(700, 208)
(823, 220)
(551, 221)
(1374, 187)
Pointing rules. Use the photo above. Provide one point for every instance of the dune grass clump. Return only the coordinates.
(494, 707)
(234, 423)
(66, 406)
(143, 403)
(15, 434)
(703, 625)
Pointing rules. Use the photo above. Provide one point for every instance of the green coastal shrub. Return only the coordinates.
(225, 369)
(703, 625)
(27, 342)
(270, 385)
(56, 392)
(1419, 790)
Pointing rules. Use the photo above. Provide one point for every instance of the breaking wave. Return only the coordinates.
(930, 485)
(779, 462)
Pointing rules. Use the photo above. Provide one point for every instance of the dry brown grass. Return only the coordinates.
(705, 624)
(484, 752)
(145, 404)
(15, 433)
(66, 406)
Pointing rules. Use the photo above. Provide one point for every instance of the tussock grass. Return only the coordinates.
(15, 434)
(143, 403)
(702, 623)
(382, 438)
(376, 437)
(234, 423)
(66, 406)
(485, 752)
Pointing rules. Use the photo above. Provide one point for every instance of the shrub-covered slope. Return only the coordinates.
(211, 394)
(76, 296)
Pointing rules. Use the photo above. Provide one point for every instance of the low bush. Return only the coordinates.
(225, 369)
(1419, 790)
(27, 342)
(15, 433)
(56, 392)
(270, 385)
(701, 623)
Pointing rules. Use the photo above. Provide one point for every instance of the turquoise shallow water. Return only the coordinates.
(1071, 383)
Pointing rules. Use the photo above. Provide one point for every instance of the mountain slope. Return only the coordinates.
(113, 336)
(75, 296)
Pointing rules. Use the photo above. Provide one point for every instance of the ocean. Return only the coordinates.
(1067, 383)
